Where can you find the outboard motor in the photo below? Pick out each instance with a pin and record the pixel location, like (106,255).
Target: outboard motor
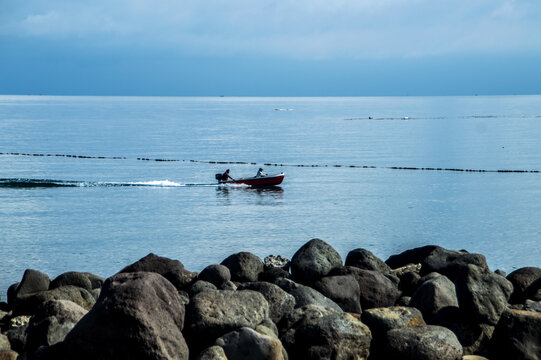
(218,177)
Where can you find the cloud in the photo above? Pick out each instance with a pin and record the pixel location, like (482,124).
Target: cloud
(355,29)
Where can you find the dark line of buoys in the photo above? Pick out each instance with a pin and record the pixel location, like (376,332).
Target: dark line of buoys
(282,165)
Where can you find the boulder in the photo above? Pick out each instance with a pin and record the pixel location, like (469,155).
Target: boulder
(376,289)
(305,295)
(332,336)
(473,336)
(215,274)
(422,343)
(533,292)
(314,260)
(212,353)
(244,266)
(52,321)
(33,281)
(381,320)
(434,295)
(412,256)
(200,286)
(482,294)
(364,259)
(517,336)
(448,262)
(29,303)
(214,314)
(531,305)
(343,290)
(521,279)
(172,270)
(17,333)
(138,316)
(12,294)
(247,344)
(280,302)
(72,278)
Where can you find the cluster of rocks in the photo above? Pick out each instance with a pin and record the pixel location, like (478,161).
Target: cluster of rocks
(425,303)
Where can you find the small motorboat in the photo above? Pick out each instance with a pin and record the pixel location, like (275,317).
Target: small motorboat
(256,181)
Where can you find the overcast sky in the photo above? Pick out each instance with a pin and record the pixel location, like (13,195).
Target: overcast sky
(266,47)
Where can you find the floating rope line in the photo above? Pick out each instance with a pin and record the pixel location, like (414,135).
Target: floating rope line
(277,164)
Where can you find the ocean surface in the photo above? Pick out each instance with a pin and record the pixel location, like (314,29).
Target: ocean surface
(95,183)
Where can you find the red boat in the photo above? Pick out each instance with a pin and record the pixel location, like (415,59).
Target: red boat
(258,181)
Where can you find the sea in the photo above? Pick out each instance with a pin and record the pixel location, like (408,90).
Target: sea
(96,183)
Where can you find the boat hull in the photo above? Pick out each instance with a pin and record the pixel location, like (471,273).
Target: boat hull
(269,180)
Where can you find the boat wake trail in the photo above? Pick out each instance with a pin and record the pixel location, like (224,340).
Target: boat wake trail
(50,183)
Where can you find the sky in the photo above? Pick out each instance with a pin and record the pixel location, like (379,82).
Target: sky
(270,47)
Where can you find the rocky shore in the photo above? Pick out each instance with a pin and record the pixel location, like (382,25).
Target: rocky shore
(427,303)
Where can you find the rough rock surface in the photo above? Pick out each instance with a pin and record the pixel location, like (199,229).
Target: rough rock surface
(434,295)
(72,278)
(215,274)
(213,314)
(364,259)
(521,279)
(52,321)
(482,294)
(28,304)
(343,290)
(244,266)
(138,316)
(247,344)
(33,281)
(305,295)
(422,343)
(517,336)
(212,353)
(333,336)
(411,256)
(376,289)
(280,302)
(533,292)
(314,260)
(448,262)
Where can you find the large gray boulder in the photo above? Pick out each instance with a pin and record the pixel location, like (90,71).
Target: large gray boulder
(247,344)
(521,279)
(33,281)
(517,336)
(215,274)
(280,302)
(434,295)
(244,266)
(305,295)
(411,256)
(314,260)
(382,320)
(364,259)
(214,314)
(482,294)
(172,270)
(332,336)
(377,290)
(72,278)
(422,343)
(138,316)
(52,321)
(343,290)
(448,262)
(28,304)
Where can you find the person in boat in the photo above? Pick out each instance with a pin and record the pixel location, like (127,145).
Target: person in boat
(260,173)
(225,176)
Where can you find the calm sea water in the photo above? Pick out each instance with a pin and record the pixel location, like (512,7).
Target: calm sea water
(104,223)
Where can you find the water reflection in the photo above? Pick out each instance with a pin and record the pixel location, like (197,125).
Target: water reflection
(262,196)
